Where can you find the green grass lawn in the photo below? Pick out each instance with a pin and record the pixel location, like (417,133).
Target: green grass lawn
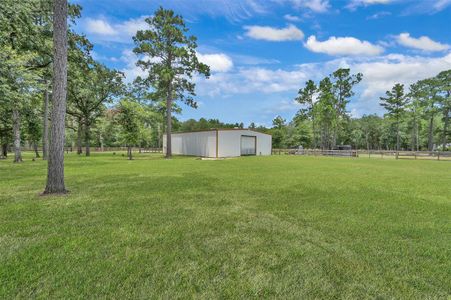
(254,227)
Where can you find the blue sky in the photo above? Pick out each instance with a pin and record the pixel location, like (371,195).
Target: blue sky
(262,51)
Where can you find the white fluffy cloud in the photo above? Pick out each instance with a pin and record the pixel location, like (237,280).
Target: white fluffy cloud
(379,75)
(103,30)
(291,18)
(98,26)
(343,46)
(218,62)
(378,15)
(353,4)
(441,4)
(289,33)
(382,73)
(422,43)
(131,71)
(251,80)
(318,6)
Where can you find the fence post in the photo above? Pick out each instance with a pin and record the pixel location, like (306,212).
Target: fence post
(438,155)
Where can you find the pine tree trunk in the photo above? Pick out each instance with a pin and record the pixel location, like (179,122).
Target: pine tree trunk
(55,174)
(45,135)
(158,136)
(445,129)
(431,134)
(5,150)
(35,148)
(2,152)
(397,139)
(417,138)
(87,139)
(79,137)
(169,124)
(413,134)
(16,134)
(101,143)
(314,132)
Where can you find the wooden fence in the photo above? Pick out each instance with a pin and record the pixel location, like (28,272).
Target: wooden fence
(431,155)
(104,149)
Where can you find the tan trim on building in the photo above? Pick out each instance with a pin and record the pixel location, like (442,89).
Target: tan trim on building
(219,129)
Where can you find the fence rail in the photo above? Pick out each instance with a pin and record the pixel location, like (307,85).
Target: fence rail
(432,155)
(104,149)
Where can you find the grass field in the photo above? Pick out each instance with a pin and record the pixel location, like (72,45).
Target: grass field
(254,227)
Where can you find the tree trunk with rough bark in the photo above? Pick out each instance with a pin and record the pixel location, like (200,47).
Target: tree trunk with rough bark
(129,152)
(431,134)
(159,136)
(35,148)
(314,132)
(16,134)
(55,173)
(87,139)
(169,124)
(101,142)
(445,129)
(45,134)
(5,150)
(397,139)
(79,137)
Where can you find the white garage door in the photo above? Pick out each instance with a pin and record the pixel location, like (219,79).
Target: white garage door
(248,144)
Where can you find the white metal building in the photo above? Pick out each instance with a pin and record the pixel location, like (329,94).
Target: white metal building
(220,143)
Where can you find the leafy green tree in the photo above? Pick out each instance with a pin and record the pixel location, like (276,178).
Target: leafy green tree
(306,98)
(326,113)
(278,122)
(343,83)
(443,80)
(33,128)
(415,112)
(278,132)
(5,129)
(429,93)
(16,80)
(169,57)
(371,127)
(91,85)
(130,117)
(395,103)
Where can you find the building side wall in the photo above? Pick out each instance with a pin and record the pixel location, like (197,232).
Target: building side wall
(264,144)
(201,143)
(230,142)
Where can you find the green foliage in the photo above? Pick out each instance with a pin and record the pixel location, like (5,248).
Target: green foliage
(130,116)
(325,106)
(395,102)
(204,124)
(169,56)
(33,124)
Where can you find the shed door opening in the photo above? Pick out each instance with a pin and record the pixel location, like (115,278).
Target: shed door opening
(248,144)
